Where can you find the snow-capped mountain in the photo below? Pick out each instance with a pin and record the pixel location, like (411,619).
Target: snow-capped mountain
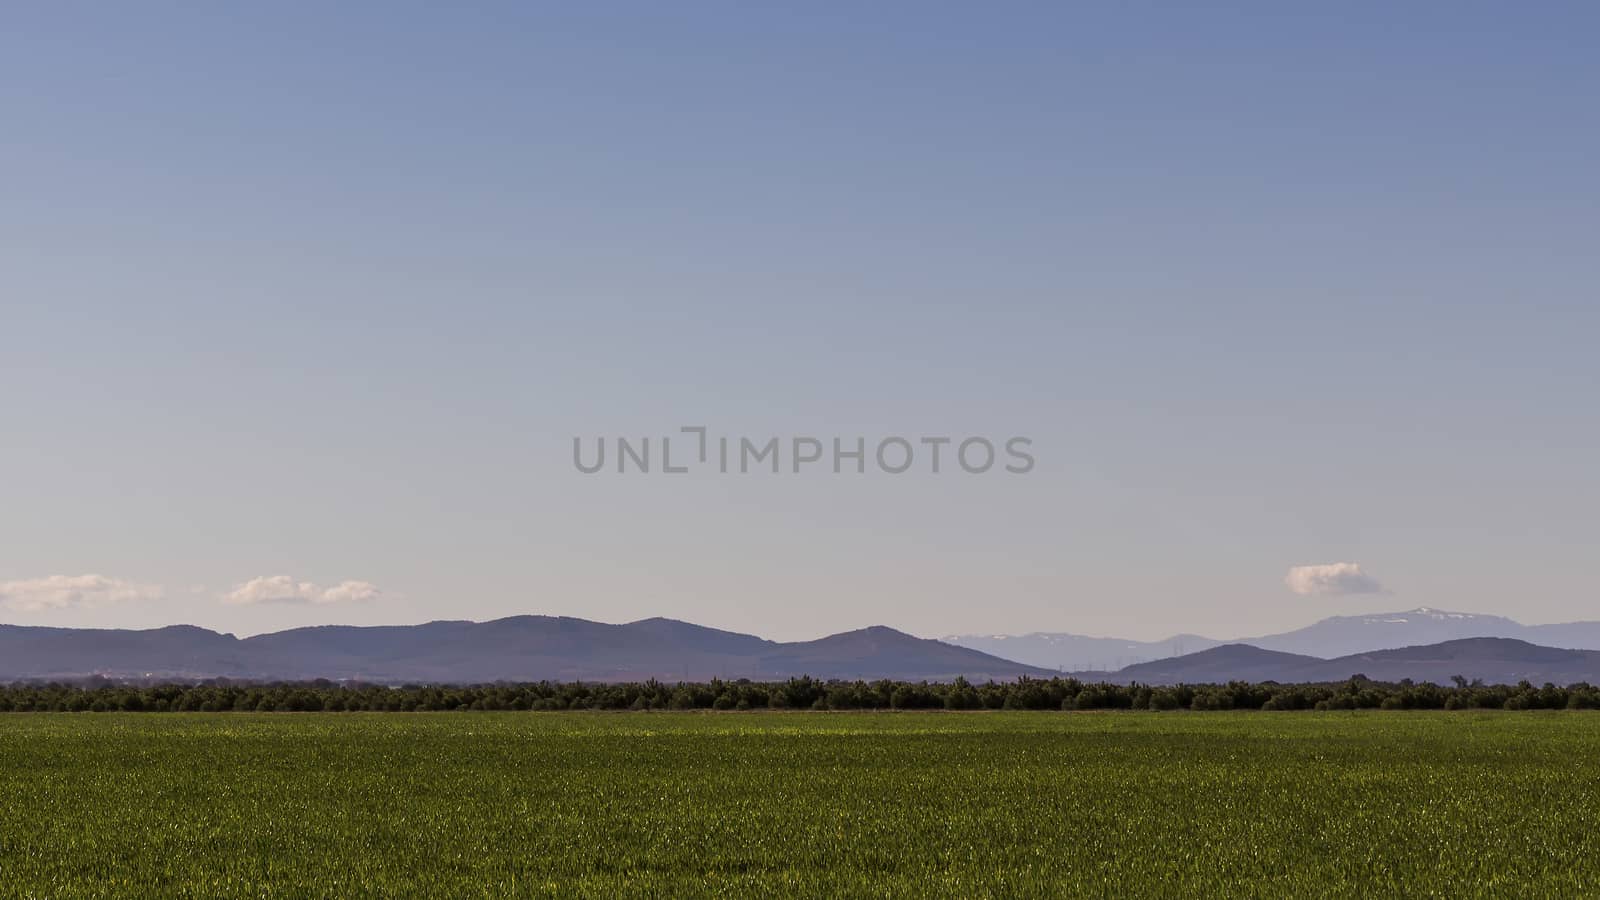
(1342,635)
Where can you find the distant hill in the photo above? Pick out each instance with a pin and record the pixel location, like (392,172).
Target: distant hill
(880,652)
(1329,638)
(1061,651)
(1229,662)
(523,648)
(1493,660)
(180,651)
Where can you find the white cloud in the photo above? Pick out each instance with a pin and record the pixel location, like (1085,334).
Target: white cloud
(1331,579)
(283,589)
(72,592)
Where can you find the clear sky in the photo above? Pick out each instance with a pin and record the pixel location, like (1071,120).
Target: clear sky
(321,294)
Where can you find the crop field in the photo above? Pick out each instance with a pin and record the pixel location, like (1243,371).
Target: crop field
(749,804)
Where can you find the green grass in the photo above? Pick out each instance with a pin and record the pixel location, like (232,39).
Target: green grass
(968,805)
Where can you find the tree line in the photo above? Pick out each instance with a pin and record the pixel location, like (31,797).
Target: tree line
(102,695)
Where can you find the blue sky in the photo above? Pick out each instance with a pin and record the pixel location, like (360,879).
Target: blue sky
(327,293)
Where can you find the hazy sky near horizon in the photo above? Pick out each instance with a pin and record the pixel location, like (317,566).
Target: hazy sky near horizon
(302,307)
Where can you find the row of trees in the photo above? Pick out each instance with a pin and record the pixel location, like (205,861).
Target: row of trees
(99,695)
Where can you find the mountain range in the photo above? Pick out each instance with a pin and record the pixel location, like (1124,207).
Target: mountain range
(522,648)
(1433,646)
(1328,639)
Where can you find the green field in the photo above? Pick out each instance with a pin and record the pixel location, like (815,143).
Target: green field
(744,804)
